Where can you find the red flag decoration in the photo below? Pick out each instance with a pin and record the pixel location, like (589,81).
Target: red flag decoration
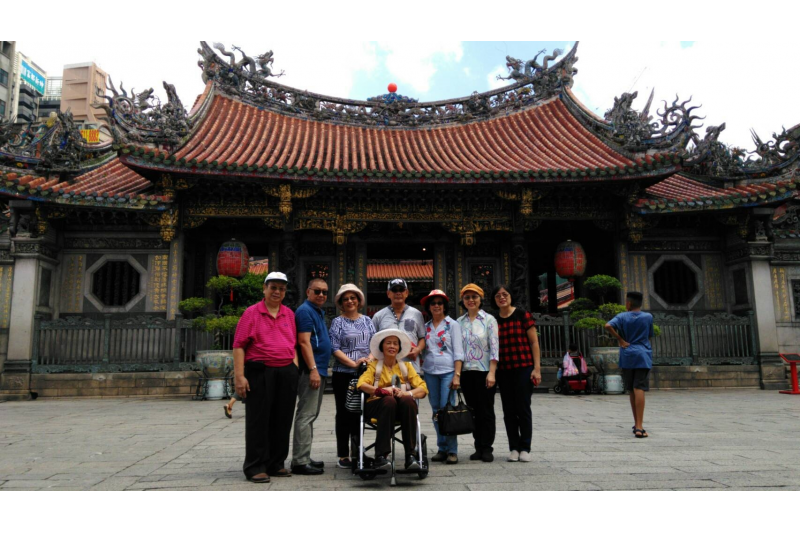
(233,259)
(570,260)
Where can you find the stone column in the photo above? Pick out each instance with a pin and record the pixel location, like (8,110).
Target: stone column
(773,376)
(519,271)
(175,283)
(27,251)
(361,270)
(288,265)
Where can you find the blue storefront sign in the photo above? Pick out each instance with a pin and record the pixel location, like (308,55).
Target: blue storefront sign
(32,77)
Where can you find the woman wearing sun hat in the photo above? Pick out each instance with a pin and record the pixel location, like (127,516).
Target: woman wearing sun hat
(350,333)
(388,403)
(481,355)
(444,349)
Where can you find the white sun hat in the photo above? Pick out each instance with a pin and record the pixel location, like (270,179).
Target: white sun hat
(377,339)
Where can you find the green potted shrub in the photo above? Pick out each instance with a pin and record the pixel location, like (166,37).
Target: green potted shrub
(231,297)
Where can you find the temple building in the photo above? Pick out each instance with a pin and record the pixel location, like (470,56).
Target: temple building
(100,242)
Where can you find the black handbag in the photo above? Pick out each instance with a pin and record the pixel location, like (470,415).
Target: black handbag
(456,419)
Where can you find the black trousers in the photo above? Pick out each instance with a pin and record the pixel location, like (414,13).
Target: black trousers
(386,411)
(516,390)
(481,399)
(269,414)
(346,421)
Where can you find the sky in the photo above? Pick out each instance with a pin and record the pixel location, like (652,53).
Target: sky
(735,82)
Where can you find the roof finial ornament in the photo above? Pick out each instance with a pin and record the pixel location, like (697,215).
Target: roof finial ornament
(547,80)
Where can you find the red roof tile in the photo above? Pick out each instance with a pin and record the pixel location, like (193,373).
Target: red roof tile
(541,138)
(259,268)
(112,180)
(408,270)
(680,192)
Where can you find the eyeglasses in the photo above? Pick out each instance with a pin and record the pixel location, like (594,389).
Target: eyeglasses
(319,291)
(503,295)
(472,297)
(276,288)
(398,290)
(350,299)
(437,302)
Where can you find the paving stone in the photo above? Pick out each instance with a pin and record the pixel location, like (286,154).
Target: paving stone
(706,440)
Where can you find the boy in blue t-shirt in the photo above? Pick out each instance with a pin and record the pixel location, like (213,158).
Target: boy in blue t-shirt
(633,330)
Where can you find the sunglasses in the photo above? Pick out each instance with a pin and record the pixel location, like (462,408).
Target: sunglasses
(397,290)
(350,299)
(472,297)
(437,302)
(319,291)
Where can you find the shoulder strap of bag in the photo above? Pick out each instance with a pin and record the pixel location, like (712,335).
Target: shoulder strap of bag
(378,372)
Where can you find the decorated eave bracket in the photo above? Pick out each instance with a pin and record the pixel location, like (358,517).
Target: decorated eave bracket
(166,222)
(286,193)
(338,224)
(248,79)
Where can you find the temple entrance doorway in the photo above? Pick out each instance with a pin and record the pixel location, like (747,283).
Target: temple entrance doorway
(412,261)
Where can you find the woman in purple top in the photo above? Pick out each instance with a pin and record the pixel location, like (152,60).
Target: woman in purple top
(350,334)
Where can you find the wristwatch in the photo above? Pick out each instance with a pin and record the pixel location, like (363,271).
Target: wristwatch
(312,369)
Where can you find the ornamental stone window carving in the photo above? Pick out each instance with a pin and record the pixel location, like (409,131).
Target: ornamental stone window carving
(115,283)
(676,282)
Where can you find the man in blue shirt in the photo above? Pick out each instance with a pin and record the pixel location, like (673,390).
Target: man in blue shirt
(633,330)
(315,355)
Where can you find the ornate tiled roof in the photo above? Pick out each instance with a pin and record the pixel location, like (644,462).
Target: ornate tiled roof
(541,143)
(111,184)
(408,270)
(682,193)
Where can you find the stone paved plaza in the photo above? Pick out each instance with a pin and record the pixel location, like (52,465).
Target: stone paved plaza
(706,440)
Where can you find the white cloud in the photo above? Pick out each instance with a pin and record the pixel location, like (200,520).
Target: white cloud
(414,63)
(736,82)
(495,83)
(467,71)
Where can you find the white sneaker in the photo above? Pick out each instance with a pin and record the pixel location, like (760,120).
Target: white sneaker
(525,457)
(514,457)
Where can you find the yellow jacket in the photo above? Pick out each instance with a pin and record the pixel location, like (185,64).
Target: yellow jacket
(387,374)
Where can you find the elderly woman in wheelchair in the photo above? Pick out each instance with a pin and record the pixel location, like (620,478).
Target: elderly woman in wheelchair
(393,387)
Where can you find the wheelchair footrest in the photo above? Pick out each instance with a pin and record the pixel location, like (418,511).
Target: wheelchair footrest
(377,472)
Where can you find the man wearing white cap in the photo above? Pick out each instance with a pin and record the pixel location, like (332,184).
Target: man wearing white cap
(266,374)
(403,317)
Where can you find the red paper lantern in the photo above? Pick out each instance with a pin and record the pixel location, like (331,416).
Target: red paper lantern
(233,259)
(570,260)
(392,87)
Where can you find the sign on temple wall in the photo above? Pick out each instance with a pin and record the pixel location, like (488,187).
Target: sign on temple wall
(158,266)
(174,278)
(72,274)
(6,277)
(712,276)
(780,294)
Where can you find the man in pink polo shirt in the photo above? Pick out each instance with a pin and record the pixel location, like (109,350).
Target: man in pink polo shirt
(266,374)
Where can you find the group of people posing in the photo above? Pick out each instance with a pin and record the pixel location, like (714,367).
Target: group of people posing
(281,359)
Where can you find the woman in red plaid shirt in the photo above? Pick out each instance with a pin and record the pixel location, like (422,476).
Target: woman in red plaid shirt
(518,371)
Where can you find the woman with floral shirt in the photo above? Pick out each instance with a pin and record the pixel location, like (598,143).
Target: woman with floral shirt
(477,374)
(443,348)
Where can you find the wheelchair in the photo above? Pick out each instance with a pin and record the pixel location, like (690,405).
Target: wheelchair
(364,466)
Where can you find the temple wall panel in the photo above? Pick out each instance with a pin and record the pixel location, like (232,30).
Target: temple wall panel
(72,275)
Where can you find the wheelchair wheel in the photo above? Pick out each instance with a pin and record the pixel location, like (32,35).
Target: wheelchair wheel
(557,388)
(422,475)
(367,476)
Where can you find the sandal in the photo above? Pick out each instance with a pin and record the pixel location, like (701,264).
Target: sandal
(640,433)
(228,411)
(259,478)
